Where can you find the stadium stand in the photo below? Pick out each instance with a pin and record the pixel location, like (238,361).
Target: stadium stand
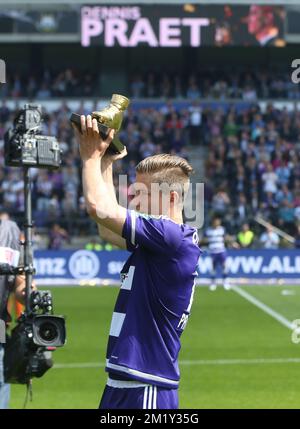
(249,158)
(246,83)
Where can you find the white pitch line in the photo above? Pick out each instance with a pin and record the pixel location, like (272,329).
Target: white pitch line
(268,310)
(192,362)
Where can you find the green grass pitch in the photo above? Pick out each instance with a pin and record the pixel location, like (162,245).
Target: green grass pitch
(233,354)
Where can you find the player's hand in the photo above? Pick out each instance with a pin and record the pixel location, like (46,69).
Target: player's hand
(91,145)
(109,158)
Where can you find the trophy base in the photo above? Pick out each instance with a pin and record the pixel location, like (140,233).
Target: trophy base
(115,146)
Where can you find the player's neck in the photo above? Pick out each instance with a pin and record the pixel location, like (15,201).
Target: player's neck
(176,216)
(178,219)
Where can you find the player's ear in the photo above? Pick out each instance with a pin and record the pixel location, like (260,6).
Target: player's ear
(174,197)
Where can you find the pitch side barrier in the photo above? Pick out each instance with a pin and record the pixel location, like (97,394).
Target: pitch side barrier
(85,267)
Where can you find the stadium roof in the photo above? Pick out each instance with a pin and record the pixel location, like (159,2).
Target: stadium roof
(126,2)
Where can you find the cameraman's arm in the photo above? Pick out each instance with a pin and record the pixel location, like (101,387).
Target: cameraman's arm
(107,174)
(19,288)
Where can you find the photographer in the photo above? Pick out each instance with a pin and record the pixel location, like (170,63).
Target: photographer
(10,250)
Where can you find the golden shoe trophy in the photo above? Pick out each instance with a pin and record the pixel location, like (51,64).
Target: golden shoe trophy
(110,117)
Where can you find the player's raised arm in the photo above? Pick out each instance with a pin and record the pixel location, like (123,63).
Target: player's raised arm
(106,167)
(104,209)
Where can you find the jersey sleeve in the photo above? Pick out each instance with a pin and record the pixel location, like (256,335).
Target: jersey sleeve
(157,234)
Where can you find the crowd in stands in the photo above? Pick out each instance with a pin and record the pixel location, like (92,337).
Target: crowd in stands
(58,194)
(253,168)
(252,165)
(217,83)
(48,84)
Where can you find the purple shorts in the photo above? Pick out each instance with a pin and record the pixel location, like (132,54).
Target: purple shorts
(218,259)
(135,395)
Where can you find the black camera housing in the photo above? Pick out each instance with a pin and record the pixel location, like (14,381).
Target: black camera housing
(28,351)
(23,146)
(28,348)
(48,330)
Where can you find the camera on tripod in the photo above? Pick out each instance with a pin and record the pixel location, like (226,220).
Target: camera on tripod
(38,332)
(25,147)
(47,330)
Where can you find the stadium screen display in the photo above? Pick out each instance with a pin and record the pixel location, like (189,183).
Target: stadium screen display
(188,25)
(25,22)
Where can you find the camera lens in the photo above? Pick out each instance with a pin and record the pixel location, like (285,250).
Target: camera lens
(48,331)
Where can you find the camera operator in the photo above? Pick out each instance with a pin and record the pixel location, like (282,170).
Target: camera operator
(10,250)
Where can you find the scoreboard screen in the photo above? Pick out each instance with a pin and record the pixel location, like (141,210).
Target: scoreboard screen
(176,26)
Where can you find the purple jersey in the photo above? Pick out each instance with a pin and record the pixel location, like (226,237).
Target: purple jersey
(154,301)
(218,259)
(136,395)
(216,239)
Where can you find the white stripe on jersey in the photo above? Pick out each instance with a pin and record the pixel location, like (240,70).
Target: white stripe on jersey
(116,323)
(145,398)
(133,223)
(127,282)
(155,398)
(120,384)
(151,377)
(192,297)
(216,239)
(150,398)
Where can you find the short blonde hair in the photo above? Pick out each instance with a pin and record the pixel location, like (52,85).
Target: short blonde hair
(162,162)
(165,168)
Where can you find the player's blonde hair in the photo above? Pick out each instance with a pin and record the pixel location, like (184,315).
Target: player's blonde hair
(165,168)
(165,164)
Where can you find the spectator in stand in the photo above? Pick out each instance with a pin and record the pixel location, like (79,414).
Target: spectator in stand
(12,189)
(270,180)
(193,91)
(286,216)
(245,237)
(249,93)
(57,237)
(147,148)
(269,239)
(242,211)
(43,93)
(43,190)
(297,237)
(220,89)
(178,90)
(283,173)
(4,112)
(284,194)
(165,89)
(195,122)
(177,142)
(137,86)
(150,90)
(220,202)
